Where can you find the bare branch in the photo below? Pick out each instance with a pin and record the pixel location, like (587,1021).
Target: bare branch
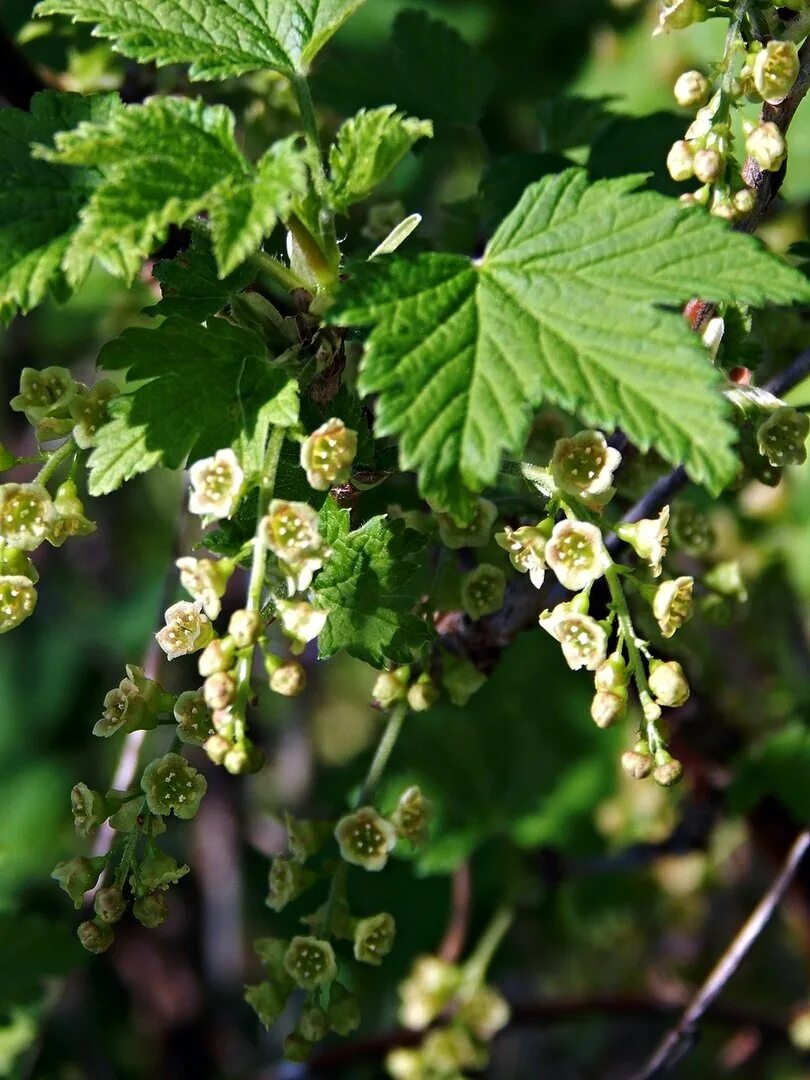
(679,1040)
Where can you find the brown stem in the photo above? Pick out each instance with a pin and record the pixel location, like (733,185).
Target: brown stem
(455,935)
(677,1042)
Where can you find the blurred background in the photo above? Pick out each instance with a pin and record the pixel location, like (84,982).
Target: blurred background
(628,892)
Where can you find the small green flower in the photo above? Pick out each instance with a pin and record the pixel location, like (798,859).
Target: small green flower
(310,962)
(448,1051)
(668,683)
(430,986)
(151,910)
(672,604)
(648,538)
(305,838)
(172,785)
(268,1000)
(584,464)
(483,590)
(216,485)
(297,1049)
(726,579)
(43,393)
(71,520)
(158,871)
(313,1023)
(460,678)
(133,706)
(89,411)
(423,694)
(300,621)
(485,1013)
(775,69)
(218,655)
(583,640)
(18,598)
(288,678)
(109,904)
(343,1010)
(286,881)
(476,534)
(365,839)
(391,687)
(526,547)
(327,455)
(412,815)
(374,938)
(577,554)
(194,724)
(782,437)
(78,876)
(678,14)
(187,630)
(27,515)
(89,809)
(611,675)
(691,530)
(206,580)
(292,532)
(96,936)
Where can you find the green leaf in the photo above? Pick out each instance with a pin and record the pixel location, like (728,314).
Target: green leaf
(162,163)
(217,38)
(563,306)
(369,586)
(778,768)
(208,387)
(367,148)
(191,285)
(428,69)
(39,200)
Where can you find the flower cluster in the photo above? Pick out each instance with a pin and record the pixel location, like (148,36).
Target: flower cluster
(760,71)
(57,406)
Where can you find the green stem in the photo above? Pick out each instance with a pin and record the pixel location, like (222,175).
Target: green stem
(122,870)
(277,271)
(475,970)
(60,455)
(628,636)
(257,571)
(326,219)
(383,753)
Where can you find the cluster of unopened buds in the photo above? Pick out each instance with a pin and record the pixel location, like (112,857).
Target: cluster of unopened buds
(470,1018)
(755,72)
(308,961)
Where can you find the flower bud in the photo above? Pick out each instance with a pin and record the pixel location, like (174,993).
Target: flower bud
(286,881)
(692,89)
(310,962)
(217,747)
(485,1013)
(374,938)
(43,393)
(460,678)
(216,484)
(681,161)
(608,707)
(672,604)
(668,771)
(194,723)
(206,580)
(171,785)
(289,679)
(648,538)
(187,630)
(71,520)
(708,165)
(583,640)
(245,628)
(297,1049)
(668,683)
(678,14)
(475,534)
(152,910)
(313,1023)
(14,562)
(327,455)
(745,200)
(611,675)
(244,760)
(365,838)
(18,598)
(391,687)
(423,694)
(427,990)
(218,655)
(411,818)
(89,809)
(526,547)
(782,437)
(766,145)
(78,876)
(220,690)
(27,515)
(775,70)
(638,763)
(343,1010)
(482,591)
(95,936)
(109,904)
(402,1063)
(577,554)
(450,1051)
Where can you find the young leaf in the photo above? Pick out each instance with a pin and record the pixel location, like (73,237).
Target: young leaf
(162,163)
(367,148)
(208,387)
(40,201)
(191,285)
(218,38)
(369,586)
(562,307)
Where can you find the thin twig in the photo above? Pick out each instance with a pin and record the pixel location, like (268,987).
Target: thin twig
(679,1040)
(455,936)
